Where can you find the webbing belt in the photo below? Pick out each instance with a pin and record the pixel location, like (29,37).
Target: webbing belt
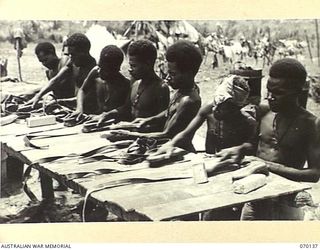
(27,139)
(84,155)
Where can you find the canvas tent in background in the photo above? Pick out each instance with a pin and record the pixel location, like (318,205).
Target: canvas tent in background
(162,33)
(100,37)
(185,30)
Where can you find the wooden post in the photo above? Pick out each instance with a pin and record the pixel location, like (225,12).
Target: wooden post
(46,186)
(19,53)
(309,48)
(318,46)
(3,168)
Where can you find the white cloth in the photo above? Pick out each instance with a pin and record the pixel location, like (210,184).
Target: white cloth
(229,90)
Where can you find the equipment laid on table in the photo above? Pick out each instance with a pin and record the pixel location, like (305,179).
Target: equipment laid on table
(162,159)
(92,126)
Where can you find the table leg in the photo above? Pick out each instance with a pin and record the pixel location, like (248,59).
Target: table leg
(46,186)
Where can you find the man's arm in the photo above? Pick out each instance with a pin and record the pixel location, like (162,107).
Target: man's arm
(51,84)
(68,102)
(186,111)
(85,88)
(142,122)
(185,137)
(120,113)
(307,174)
(187,134)
(164,97)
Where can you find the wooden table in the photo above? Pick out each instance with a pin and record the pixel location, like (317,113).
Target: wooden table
(132,192)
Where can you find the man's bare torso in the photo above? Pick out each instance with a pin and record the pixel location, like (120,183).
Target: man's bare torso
(284,140)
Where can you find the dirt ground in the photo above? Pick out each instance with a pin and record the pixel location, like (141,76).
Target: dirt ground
(15,207)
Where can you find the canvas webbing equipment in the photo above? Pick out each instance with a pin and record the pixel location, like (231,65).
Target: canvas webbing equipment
(95,172)
(162,159)
(89,127)
(85,155)
(74,121)
(27,139)
(39,131)
(27,172)
(26,176)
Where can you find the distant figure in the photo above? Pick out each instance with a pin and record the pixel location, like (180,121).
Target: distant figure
(18,39)
(19,42)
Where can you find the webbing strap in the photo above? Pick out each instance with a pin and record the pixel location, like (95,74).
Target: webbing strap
(26,189)
(27,139)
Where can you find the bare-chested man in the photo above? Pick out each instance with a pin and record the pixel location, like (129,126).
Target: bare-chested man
(184,60)
(289,137)
(110,86)
(46,54)
(227,125)
(149,95)
(79,66)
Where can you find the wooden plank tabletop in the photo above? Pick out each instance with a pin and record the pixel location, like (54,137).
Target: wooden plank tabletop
(135,192)
(138,192)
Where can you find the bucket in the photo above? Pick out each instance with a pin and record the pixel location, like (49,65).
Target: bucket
(253,77)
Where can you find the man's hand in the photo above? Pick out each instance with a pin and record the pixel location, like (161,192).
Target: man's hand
(166,150)
(234,155)
(101,118)
(120,132)
(33,101)
(141,122)
(119,135)
(77,115)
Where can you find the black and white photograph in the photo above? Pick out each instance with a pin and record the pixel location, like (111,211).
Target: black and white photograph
(159,120)
(241,65)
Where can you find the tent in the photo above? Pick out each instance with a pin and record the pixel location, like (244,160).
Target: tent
(100,37)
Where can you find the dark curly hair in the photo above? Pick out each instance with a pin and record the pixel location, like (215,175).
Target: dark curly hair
(186,55)
(112,56)
(290,69)
(144,50)
(79,41)
(45,47)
